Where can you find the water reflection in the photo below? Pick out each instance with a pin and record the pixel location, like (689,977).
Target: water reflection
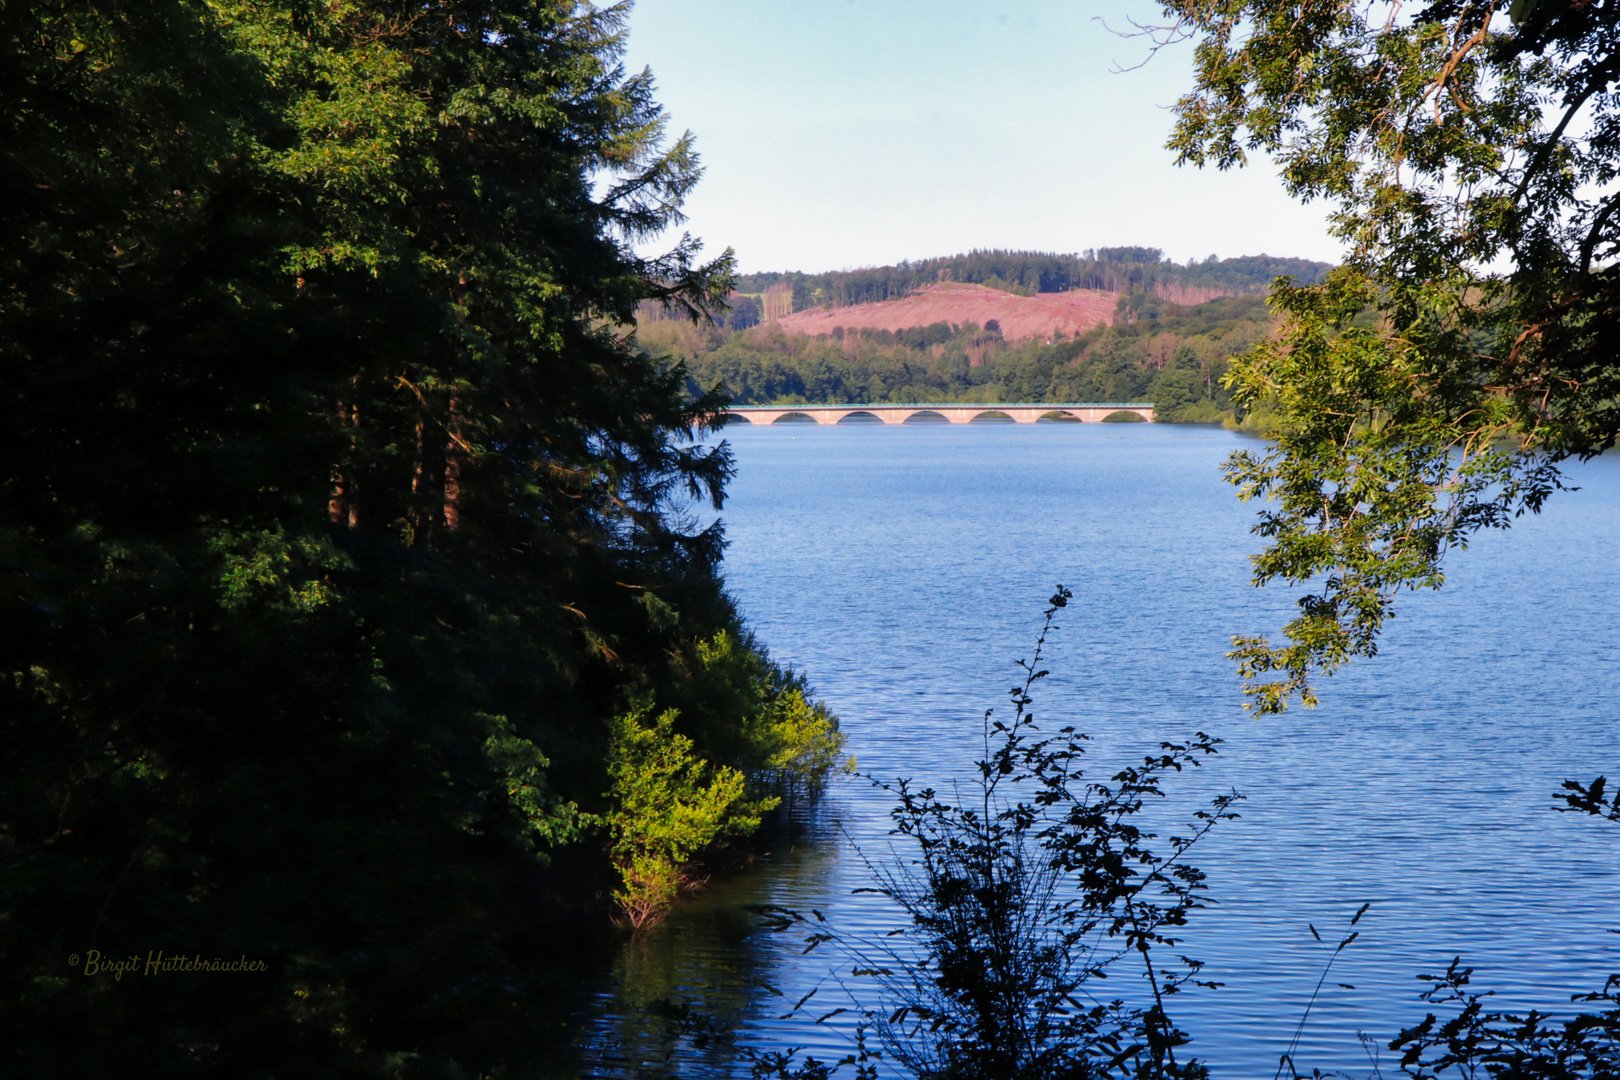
(714,954)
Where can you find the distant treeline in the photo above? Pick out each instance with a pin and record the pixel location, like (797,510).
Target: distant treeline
(1025,273)
(1169,354)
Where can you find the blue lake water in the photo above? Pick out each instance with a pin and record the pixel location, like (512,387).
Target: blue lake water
(904,569)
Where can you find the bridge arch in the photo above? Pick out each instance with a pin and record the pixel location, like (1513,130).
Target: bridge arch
(949,412)
(991,416)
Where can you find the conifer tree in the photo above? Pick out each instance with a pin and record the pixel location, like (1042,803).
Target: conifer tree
(339,517)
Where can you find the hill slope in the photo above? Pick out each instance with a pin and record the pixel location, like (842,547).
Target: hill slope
(1041,316)
(1027,273)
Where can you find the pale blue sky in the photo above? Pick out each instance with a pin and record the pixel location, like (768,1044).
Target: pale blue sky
(843,133)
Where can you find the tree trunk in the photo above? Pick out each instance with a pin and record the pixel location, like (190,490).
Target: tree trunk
(353,494)
(420,480)
(336,504)
(452,470)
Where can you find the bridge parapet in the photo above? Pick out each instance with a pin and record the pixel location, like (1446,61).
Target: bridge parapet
(954,413)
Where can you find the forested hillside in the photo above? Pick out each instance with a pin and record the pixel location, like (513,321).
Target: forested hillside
(1118,269)
(1169,354)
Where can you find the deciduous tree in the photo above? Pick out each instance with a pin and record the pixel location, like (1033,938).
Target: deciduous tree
(1471,152)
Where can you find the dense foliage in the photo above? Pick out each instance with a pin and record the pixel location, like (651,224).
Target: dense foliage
(668,804)
(1472,154)
(1156,351)
(339,519)
(1403,480)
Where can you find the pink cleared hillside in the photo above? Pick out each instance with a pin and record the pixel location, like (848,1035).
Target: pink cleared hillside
(1039,316)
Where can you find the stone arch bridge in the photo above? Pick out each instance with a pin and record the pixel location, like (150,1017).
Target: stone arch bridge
(955,413)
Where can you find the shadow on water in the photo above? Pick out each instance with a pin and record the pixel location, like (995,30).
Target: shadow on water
(712,953)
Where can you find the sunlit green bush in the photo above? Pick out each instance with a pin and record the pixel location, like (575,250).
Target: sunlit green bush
(668,804)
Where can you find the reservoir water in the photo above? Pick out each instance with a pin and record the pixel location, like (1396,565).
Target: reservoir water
(904,569)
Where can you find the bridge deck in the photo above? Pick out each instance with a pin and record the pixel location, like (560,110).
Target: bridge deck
(954,413)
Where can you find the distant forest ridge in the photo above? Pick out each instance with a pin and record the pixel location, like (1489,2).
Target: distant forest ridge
(1154,350)
(1025,273)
